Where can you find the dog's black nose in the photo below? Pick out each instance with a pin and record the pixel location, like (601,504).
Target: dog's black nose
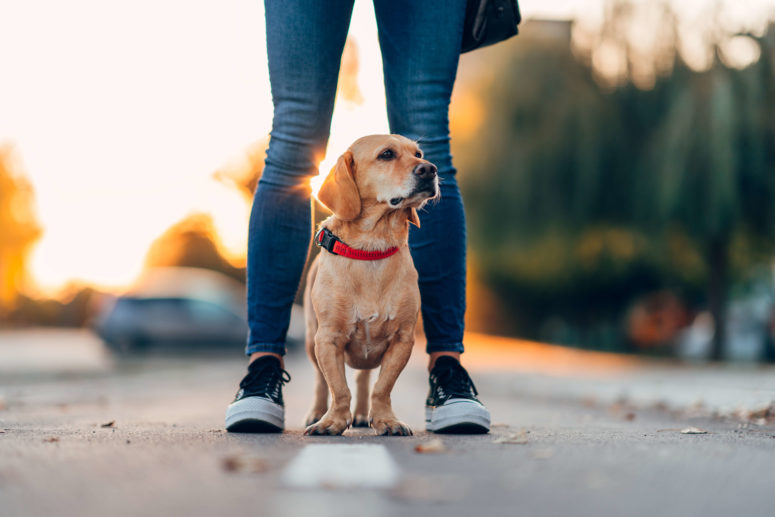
(425,170)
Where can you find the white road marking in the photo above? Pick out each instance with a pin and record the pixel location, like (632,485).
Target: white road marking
(342,466)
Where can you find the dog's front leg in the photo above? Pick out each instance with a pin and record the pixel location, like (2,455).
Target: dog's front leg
(329,351)
(393,362)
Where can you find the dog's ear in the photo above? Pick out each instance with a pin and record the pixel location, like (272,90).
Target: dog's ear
(339,193)
(412,217)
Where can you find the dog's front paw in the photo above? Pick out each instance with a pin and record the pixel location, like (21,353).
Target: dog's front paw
(332,424)
(313,416)
(390,427)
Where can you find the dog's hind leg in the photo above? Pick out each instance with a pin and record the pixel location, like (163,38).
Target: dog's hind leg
(361,416)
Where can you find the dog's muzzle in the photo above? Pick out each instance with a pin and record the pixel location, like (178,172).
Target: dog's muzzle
(426,180)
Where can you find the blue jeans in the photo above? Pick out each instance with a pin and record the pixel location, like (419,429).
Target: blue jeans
(420,43)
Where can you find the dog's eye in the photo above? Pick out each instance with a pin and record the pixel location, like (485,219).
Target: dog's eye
(418,154)
(387,154)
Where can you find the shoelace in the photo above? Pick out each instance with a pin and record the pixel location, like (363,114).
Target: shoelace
(455,380)
(266,382)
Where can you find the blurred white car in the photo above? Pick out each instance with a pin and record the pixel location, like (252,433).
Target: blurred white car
(176,306)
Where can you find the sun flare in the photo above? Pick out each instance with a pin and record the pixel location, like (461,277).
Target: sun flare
(115,158)
(325,168)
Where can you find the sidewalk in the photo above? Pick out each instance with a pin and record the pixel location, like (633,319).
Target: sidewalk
(499,366)
(550,371)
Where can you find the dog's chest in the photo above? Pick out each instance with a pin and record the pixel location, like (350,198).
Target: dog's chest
(371,336)
(377,299)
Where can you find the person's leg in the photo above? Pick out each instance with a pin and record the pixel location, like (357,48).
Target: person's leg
(420,43)
(305,39)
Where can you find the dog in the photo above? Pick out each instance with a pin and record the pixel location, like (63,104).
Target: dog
(361,300)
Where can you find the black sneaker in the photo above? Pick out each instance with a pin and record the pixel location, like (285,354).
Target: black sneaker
(258,406)
(452,406)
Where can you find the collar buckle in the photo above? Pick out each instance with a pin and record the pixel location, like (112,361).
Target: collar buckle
(326,240)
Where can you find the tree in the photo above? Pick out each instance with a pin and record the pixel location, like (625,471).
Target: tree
(710,165)
(19,229)
(587,191)
(192,242)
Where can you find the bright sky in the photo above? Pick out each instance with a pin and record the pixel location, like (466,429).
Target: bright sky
(122,110)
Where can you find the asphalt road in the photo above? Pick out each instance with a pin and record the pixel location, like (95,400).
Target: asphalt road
(145,437)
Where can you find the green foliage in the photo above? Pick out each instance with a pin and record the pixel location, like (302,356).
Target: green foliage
(584,196)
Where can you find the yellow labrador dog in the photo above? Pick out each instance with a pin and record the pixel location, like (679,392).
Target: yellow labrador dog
(361,301)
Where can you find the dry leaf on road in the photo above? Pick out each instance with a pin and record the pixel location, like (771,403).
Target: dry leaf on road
(514,438)
(242,463)
(430,447)
(51,439)
(762,414)
(112,423)
(693,430)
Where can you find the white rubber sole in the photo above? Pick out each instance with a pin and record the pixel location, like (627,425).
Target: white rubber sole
(255,415)
(458,416)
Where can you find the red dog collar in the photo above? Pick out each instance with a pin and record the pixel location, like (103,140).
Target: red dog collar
(327,240)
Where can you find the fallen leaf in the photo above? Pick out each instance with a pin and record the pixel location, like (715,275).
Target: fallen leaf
(764,413)
(693,430)
(51,439)
(513,438)
(112,423)
(243,463)
(630,417)
(431,447)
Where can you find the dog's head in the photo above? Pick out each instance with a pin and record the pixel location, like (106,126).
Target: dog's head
(387,171)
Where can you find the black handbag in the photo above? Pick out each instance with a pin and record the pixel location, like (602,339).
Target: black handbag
(489,22)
